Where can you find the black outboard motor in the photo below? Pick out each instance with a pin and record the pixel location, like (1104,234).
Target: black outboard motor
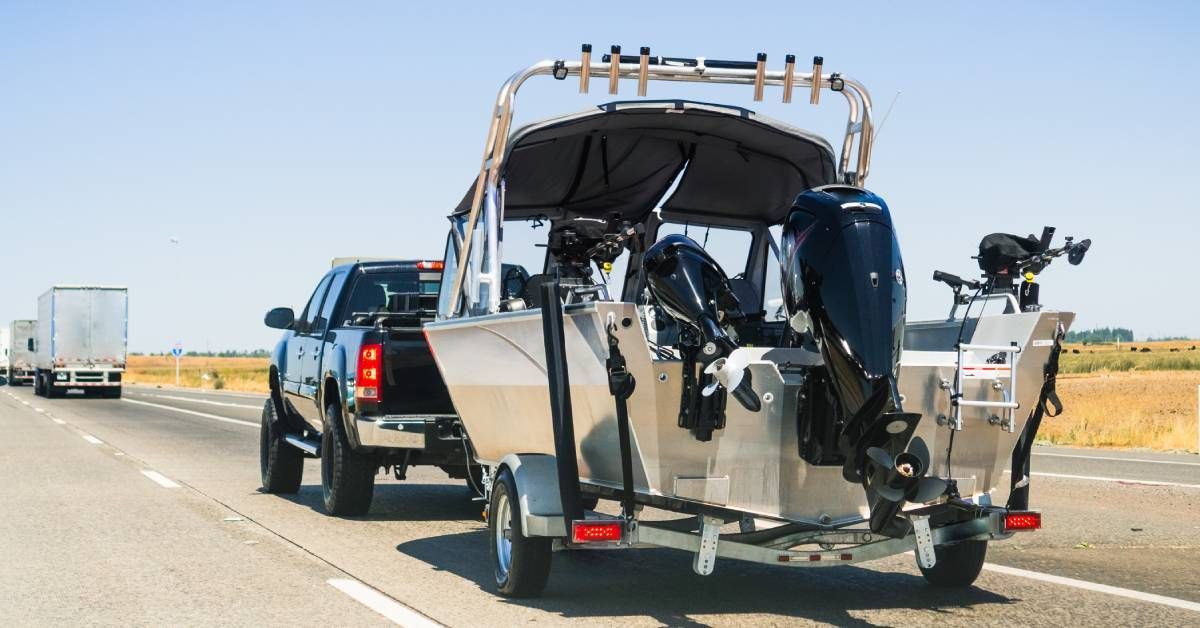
(844,290)
(689,284)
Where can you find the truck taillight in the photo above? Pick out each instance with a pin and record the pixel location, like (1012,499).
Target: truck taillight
(1017,520)
(430,265)
(370,362)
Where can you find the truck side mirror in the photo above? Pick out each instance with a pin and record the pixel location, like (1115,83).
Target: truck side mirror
(29,344)
(280,318)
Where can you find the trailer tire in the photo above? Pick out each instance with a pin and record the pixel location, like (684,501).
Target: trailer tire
(113,393)
(347,476)
(52,391)
(521,564)
(281,465)
(37,384)
(957,566)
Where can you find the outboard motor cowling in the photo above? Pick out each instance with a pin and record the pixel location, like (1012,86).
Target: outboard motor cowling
(844,290)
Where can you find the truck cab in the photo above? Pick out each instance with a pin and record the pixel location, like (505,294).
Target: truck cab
(354,384)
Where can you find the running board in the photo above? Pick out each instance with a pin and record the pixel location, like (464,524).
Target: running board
(311,448)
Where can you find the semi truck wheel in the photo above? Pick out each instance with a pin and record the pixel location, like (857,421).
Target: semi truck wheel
(113,393)
(957,565)
(521,564)
(347,476)
(281,465)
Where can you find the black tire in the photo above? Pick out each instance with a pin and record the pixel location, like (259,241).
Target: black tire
(957,565)
(281,465)
(113,393)
(520,564)
(52,391)
(347,476)
(37,384)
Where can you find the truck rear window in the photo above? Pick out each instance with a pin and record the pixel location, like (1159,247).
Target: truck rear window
(396,293)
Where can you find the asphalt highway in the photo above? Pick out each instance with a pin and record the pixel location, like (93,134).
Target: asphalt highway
(146,510)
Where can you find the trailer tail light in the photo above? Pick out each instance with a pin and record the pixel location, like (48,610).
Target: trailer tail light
(370,362)
(596,531)
(1018,520)
(430,265)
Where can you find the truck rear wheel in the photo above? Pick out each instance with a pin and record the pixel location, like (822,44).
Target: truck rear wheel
(281,465)
(37,384)
(521,564)
(347,476)
(957,565)
(52,391)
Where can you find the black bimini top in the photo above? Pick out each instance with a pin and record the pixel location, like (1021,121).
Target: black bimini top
(623,157)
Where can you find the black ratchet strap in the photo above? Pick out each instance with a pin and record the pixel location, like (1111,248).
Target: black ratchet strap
(621,384)
(1018,498)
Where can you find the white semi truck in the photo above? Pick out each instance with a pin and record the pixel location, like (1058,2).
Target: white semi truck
(22,337)
(81,340)
(5,350)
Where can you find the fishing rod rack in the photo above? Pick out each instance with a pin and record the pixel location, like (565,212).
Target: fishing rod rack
(644,69)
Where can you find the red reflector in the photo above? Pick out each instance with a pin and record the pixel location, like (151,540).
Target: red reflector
(596,531)
(370,362)
(430,265)
(1020,520)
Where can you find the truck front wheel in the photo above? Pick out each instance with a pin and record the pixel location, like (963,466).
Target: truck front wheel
(957,565)
(347,476)
(281,465)
(521,563)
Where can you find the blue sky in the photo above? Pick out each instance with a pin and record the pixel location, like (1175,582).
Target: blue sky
(270,137)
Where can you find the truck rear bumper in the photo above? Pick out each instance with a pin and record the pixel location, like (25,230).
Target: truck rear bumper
(85,378)
(405,431)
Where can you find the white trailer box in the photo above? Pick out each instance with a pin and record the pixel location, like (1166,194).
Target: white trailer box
(22,336)
(81,339)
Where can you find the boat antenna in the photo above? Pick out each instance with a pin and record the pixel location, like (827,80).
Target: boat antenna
(879,129)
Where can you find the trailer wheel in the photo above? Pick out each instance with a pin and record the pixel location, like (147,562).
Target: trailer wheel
(957,565)
(52,391)
(521,564)
(37,384)
(281,465)
(347,476)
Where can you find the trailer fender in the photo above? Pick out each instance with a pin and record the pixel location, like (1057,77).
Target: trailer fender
(536,476)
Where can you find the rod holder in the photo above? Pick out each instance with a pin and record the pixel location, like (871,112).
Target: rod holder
(789,77)
(585,72)
(760,73)
(614,69)
(643,70)
(816,81)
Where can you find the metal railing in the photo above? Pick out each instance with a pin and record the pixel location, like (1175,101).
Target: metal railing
(644,69)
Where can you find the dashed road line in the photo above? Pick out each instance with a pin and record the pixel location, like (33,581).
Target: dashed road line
(206,401)
(159,478)
(58,420)
(91,439)
(1097,478)
(1115,459)
(382,604)
(1092,586)
(205,415)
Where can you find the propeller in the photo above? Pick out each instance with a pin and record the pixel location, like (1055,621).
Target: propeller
(902,478)
(732,372)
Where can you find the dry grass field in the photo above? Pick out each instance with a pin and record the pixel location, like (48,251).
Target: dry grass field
(244,374)
(1112,398)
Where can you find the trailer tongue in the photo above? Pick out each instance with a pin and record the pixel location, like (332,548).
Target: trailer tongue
(767,379)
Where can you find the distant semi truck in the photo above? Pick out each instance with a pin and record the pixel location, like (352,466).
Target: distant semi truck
(81,339)
(22,337)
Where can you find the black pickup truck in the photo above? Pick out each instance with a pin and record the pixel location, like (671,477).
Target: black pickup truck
(353,383)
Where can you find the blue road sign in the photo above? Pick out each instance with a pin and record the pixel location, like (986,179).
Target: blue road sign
(177,350)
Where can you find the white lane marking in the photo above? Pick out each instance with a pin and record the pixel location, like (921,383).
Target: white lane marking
(38,410)
(1096,478)
(58,420)
(159,479)
(1092,586)
(382,604)
(206,415)
(211,403)
(200,391)
(24,402)
(91,439)
(1145,460)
